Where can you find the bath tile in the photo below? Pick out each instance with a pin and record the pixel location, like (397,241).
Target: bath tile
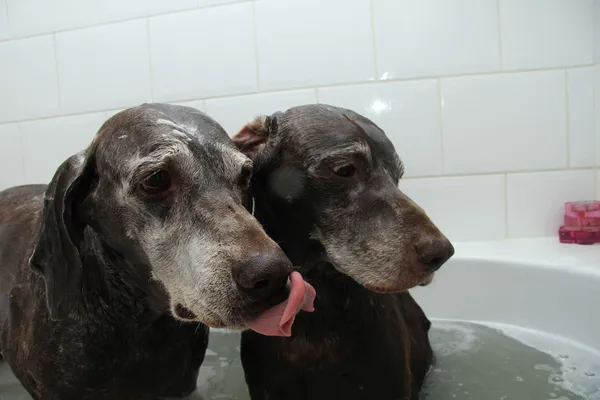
(313,42)
(505,122)
(4,34)
(103,67)
(28,84)
(409,113)
(597,32)
(581,116)
(111,113)
(48,143)
(536,200)
(210,3)
(203,53)
(420,38)
(235,112)
(465,208)
(198,104)
(597,110)
(597,184)
(546,33)
(11,157)
(33,17)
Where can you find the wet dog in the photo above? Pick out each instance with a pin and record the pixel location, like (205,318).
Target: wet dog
(108,275)
(326,189)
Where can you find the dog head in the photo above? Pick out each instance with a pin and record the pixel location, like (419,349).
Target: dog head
(331,175)
(163,191)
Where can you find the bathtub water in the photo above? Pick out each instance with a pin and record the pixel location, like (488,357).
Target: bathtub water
(537,335)
(512,320)
(501,362)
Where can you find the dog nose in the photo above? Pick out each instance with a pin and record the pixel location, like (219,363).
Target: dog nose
(263,274)
(434,253)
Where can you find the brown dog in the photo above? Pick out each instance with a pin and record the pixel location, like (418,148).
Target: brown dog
(107,274)
(326,189)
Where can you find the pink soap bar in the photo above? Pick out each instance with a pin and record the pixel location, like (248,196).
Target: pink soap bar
(578,236)
(582,216)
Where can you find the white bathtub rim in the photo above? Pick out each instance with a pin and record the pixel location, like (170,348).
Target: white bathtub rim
(539,253)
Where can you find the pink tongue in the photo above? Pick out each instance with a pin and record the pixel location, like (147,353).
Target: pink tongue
(278,320)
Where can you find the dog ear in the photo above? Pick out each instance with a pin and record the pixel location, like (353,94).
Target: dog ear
(253,137)
(56,255)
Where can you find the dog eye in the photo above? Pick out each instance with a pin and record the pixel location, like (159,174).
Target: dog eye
(158,182)
(345,171)
(245,177)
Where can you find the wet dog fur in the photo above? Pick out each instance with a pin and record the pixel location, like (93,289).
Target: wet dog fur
(110,275)
(326,189)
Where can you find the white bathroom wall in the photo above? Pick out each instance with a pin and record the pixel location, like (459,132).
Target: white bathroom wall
(489,102)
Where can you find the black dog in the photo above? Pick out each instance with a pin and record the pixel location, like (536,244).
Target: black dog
(141,234)
(326,189)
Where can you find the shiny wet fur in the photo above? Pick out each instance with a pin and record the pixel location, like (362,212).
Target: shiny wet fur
(326,189)
(110,274)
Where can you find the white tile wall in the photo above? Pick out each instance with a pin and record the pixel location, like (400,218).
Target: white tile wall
(596,31)
(103,67)
(32,17)
(464,208)
(49,142)
(546,33)
(3,20)
(581,116)
(187,65)
(436,37)
(11,157)
(198,104)
(597,110)
(409,113)
(210,3)
(536,200)
(28,85)
(235,112)
(505,122)
(473,93)
(313,42)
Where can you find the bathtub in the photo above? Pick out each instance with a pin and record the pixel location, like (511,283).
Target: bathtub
(538,284)
(549,291)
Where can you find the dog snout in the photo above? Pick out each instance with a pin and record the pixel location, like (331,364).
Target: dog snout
(434,253)
(262,275)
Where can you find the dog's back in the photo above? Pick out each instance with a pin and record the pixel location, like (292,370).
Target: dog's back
(20,208)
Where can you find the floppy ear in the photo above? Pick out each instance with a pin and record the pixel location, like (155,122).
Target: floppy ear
(253,137)
(56,254)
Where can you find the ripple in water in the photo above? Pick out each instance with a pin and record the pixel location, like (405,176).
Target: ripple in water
(496,362)
(474,362)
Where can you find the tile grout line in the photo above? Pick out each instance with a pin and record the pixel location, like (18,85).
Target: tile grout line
(441,111)
(373,38)
(500,52)
(149,47)
(55,48)
(22,149)
(595,127)
(8,25)
(256,54)
(568,111)
(506,224)
(111,22)
(497,173)
(335,85)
